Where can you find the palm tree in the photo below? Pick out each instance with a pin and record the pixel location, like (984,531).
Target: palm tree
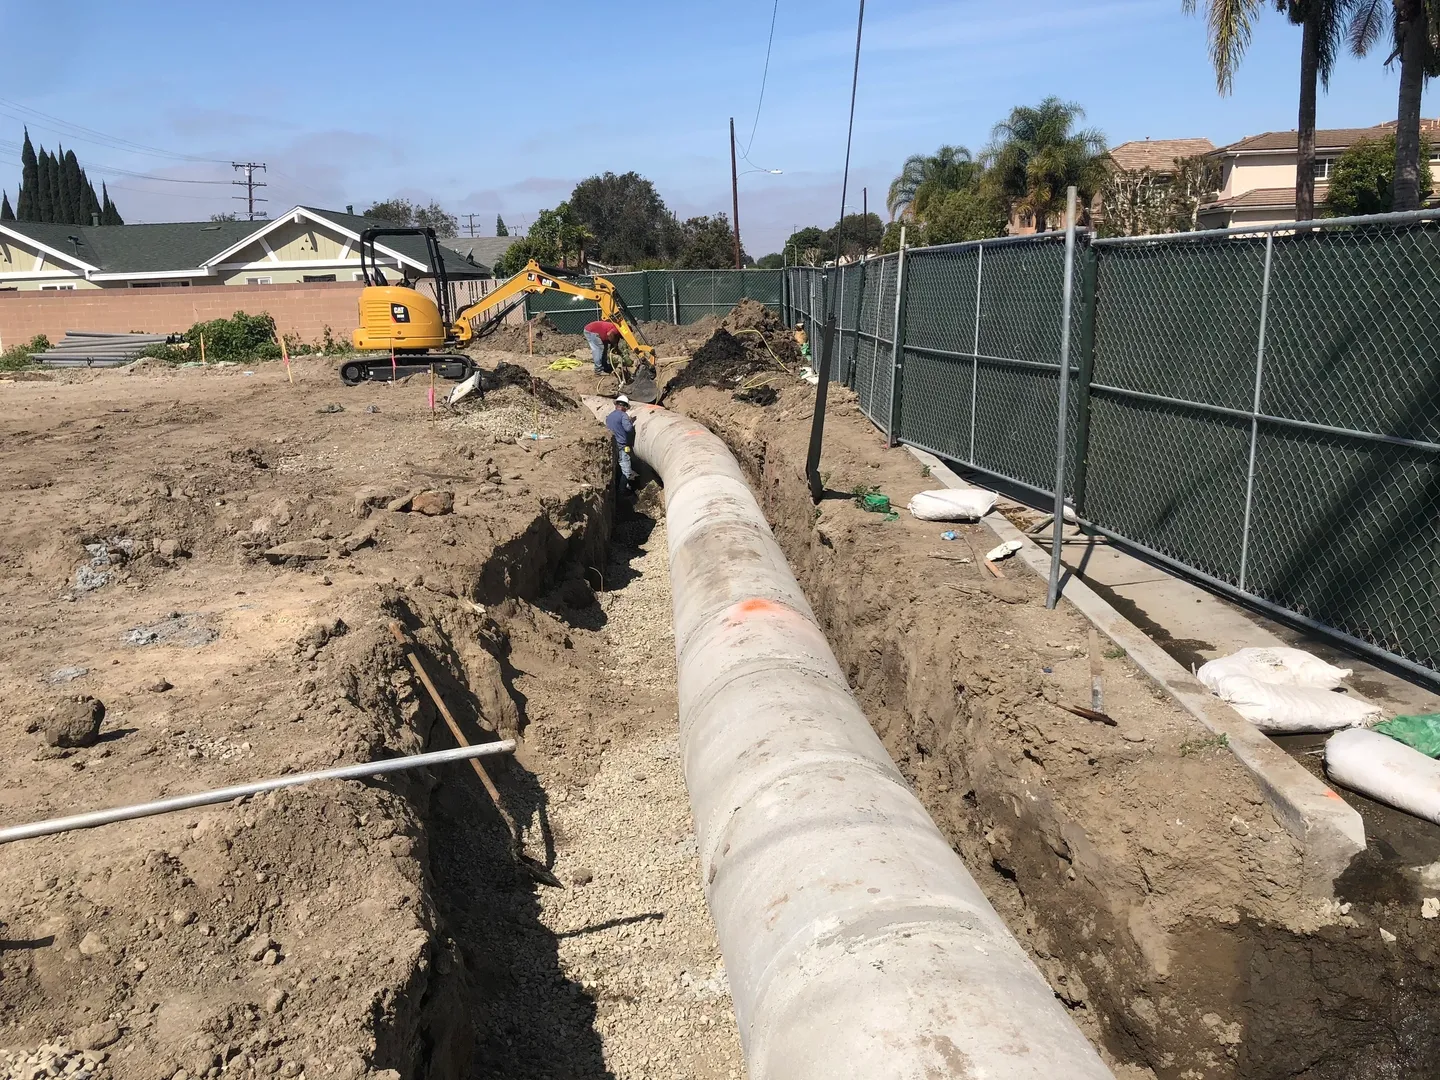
(923,177)
(1036,154)
(1413,26)
(1322,24)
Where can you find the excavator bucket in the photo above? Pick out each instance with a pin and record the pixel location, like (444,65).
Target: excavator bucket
(641,386)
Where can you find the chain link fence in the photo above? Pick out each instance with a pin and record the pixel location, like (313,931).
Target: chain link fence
(673,296)
(1258,407)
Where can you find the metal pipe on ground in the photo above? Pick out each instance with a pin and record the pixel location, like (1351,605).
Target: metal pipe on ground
(220,795)
(856,942)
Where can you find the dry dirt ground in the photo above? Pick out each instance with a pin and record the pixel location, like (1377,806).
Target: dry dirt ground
(1140,864)
(347,929)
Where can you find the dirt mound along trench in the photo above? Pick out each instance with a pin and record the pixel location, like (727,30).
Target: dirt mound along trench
(1139,864)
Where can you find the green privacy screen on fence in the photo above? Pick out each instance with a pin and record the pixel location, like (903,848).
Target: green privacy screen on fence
(673,296)
(1261,409)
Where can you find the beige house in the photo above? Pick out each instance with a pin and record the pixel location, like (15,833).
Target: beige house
(303,244)
(1258,173)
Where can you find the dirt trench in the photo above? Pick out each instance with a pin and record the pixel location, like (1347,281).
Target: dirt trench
(219,558)
(1139,864)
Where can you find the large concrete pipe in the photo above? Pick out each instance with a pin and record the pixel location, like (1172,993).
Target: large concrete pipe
(856,942)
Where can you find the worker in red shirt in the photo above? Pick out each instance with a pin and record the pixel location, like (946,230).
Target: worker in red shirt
(601,335)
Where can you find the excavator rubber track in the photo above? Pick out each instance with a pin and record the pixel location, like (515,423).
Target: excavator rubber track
(453,366)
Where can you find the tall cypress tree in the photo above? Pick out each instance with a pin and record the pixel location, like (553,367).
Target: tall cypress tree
(90,211)
(75,180)
(43,203)
(6,214)
(108,214)
(29,181)
(65,212)
(57,190)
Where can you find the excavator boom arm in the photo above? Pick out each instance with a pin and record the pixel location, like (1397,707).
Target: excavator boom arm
(535,279)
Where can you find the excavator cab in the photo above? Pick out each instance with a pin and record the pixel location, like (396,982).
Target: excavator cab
(399,317)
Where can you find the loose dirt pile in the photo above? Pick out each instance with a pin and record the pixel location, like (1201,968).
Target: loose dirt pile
(680,339)
(1140,864)
(751,349)
(547,339)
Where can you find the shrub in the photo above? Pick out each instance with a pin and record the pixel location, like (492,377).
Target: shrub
(18,356)
(239,338)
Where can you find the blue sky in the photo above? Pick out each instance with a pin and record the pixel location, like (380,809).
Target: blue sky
(503,107)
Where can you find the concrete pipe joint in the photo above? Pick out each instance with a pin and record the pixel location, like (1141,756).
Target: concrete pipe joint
(856,942)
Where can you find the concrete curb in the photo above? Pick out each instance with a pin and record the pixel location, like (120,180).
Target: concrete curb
(1330,832)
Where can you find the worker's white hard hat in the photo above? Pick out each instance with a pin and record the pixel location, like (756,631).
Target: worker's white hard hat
(621,399)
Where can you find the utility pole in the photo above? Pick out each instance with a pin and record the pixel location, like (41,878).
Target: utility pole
(471,217)
(250,184)
(735,192)
(864,217)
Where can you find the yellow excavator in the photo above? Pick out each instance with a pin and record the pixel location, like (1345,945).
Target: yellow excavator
(407,332)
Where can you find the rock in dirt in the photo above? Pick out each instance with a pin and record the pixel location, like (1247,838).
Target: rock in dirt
(75,722)
(360,537)
(301,550)
(577,594)
(158,685)
(92,944)
(582,875)
(370,498)
(179,628)
(433,503)
(402,503)
(96,1036)
(66,674)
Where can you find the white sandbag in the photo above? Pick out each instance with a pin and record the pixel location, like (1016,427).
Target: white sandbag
(1285,709)
(1386,770)
(949,504)
(1287,667)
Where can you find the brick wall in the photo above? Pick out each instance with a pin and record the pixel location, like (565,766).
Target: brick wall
(304,310)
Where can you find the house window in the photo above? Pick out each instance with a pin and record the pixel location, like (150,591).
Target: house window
(56,288)
(257,281)
(1435,155)
(1324,168)
(159,284)
(318,277)
(359,276)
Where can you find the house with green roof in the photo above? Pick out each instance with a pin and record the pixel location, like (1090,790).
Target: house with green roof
(303,244)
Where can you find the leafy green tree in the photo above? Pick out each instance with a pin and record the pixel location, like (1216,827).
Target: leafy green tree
(773,261)
(58,211)
(1364,178)
(516,256)
(973,213)
(927,176)
(500,229)
(25,209)
(629,220)
(1036,153)
(436,217)
(225,217)
(6,213)
(808,247)
(44,204)
(708,243)
(559,237)
(855,235)
(403,212)
(396,211)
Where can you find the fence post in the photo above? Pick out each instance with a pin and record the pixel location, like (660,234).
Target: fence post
(1089,303)
(975,348)
(844,273)
(875,348)
(817,419)
(674,301)
(645,286)
(897,351)
(1053,594)
(1255,410)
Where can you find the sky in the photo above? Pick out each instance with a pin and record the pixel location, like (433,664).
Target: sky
(502,108)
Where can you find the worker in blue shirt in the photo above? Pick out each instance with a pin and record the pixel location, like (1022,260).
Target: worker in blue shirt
(623,429)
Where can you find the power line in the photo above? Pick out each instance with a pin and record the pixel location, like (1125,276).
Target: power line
(58,126)
(764,77)
(92,166)
(849,133)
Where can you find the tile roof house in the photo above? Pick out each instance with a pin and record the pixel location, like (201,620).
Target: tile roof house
(1258,172)
(1157,155)
(303,244)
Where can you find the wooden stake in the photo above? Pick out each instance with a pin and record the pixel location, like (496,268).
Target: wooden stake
(202,350)
(394,372)
(432,393)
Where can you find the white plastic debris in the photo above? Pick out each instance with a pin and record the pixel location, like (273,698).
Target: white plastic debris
(1004,551)
(1386,770)
(947,504)
(1286,690)
(1430,907)
(808,374)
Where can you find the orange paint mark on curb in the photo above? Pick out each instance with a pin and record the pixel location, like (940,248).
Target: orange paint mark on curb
(1332,795)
